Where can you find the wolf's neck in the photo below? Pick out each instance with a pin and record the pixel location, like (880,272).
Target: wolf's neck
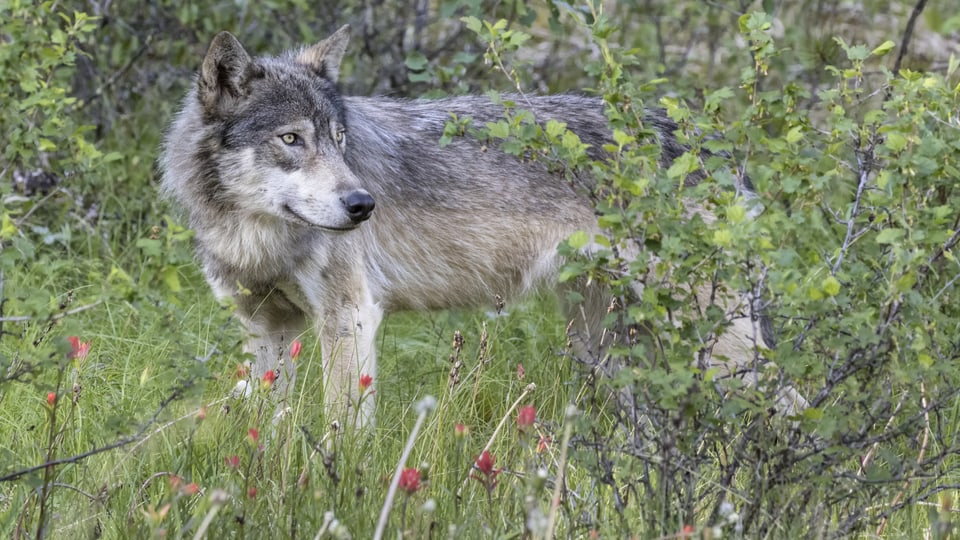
(262,248)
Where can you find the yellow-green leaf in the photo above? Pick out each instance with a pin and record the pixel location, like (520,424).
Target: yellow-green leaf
(830,286)
(171,278)
(736,214)
(722,237)
(9,228)
(795,134)
(578,240)
(883,48)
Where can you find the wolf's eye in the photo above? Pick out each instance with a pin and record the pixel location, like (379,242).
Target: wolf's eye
(290,139)
(339,135)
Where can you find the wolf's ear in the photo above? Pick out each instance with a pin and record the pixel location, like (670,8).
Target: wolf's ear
(223,73)
(325,57)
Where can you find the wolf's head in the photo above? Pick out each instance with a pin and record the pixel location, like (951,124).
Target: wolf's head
(275,135)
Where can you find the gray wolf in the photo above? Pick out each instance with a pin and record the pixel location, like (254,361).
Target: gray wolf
(314,210)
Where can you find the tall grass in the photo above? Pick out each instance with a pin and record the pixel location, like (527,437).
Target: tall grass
(195,458)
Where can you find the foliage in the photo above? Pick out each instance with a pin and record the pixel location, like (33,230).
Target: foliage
(852,251)
(848,247)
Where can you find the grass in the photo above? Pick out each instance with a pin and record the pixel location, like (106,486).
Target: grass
(197,462)
(198,466)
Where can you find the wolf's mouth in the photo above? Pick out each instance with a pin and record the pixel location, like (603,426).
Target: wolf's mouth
(299,217)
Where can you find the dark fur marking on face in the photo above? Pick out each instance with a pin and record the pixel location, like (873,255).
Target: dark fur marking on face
(208,179)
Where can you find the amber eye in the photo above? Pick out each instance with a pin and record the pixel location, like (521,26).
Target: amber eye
(290,139)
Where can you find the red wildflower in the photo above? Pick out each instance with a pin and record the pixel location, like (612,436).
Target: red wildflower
(520,372)
(254,434)
(233,461)
(461,431)
(295,349)
(186,489)
(526,417)
(252,493)
(365,382)
(269,378)
(201,414)
(543,444)
(410,480)
(687,531)
(78,349)
(51,398)
(484,464)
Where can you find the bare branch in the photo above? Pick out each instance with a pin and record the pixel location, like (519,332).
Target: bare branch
(908,33)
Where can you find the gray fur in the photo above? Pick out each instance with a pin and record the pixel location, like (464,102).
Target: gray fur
(277,228)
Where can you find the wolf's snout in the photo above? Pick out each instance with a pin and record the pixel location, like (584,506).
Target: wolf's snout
(358,204)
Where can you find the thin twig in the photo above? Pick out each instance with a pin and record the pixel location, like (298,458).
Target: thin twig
(55,317)
(99,450)
(851,220)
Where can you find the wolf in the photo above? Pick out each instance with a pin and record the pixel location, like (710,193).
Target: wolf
(316,210)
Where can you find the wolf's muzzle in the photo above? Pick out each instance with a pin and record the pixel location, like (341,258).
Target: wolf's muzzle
(358,204)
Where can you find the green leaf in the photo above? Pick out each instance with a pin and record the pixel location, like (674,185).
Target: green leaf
(555,129)
(171,278)
(890,236)
(883,48)
(579,240)
(683,165)
(736,213)
(795,134)
(498,130)
(723,237)
(895,141)
(416,61)
(9,228)
(473,23)
(830,286)
(570,141)
(621,137)
(716,98)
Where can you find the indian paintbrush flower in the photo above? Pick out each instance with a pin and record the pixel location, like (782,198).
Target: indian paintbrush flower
(78,349)
(525,418)
(410,480)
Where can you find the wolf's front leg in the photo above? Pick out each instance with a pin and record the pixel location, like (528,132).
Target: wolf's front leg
(272,323)
(350,361)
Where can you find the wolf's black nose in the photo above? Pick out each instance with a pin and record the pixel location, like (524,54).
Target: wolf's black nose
(358,204)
